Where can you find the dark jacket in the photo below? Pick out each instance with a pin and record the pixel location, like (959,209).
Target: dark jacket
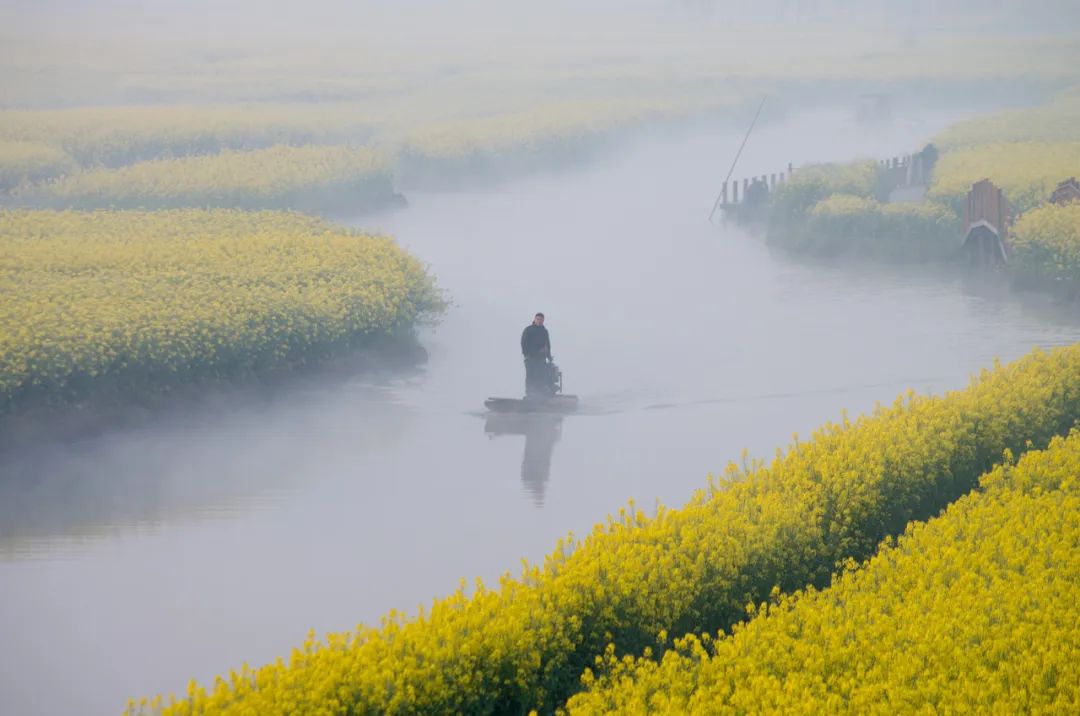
(535,342)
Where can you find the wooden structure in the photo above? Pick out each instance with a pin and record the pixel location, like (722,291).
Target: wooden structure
(907,171)
(1067,191)
(986,222)
(755,191)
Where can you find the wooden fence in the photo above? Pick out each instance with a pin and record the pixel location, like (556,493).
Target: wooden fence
(910,170)
(730,194)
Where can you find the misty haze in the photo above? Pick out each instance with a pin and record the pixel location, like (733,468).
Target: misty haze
(808,271)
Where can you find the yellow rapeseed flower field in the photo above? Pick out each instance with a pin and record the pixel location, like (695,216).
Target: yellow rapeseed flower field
(429,136)
(636,579)
(112,136)
(309,177)
(1045,243)
(972,612)
(1053,122)
(862,226)
(550,123)
(812,183)
(1026,171)
(26,161)
(125,300)
(550,132)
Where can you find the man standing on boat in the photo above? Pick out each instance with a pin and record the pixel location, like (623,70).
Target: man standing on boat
(536,347)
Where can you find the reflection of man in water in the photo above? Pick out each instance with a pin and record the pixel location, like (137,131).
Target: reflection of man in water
(536,347)
(541,432)
(540,441)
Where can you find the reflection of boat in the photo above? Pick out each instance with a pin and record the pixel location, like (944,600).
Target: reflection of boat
(541,431)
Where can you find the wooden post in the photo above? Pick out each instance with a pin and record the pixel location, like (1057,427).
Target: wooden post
(1002,217)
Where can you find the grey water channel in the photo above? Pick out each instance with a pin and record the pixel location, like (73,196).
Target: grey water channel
(135,560)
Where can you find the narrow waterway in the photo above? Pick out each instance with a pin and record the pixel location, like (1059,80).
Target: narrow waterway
(135,560)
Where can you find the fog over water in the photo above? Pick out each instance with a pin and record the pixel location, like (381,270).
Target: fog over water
(134,560)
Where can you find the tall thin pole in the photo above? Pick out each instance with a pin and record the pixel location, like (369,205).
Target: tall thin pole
(738,154)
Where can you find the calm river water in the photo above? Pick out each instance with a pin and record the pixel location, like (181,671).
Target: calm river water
(135,560)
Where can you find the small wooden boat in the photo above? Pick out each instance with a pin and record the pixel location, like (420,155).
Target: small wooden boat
(554,402)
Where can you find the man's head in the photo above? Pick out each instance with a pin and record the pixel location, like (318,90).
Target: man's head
(538,319)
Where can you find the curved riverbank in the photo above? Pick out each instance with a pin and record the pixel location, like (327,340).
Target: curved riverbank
(636,579)
(225,537)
